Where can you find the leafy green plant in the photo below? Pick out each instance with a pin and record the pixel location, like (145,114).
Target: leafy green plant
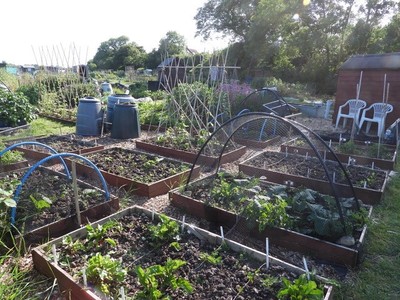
(106,273)
(349,147)
(151,163)
(97,236)
(7,188)
(176,136)
(300,289)
(167,230)
(10,157)
(8,185)
(153,113)
(15,109)
(41,203)
(214,258)
(359,218)
(268,212)
(158,280)
(71,245)
(225,190)
(269,281)
(32,92)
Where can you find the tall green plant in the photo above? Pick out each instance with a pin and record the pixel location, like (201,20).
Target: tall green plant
(15,109)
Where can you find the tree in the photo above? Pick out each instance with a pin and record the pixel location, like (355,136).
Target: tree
(173,44)
(228,17)
(116,53)
(297,42)
(391,40)
(129,55)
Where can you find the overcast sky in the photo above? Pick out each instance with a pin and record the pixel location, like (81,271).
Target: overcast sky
(51,31)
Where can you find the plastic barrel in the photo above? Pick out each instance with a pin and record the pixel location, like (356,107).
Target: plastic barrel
(88,117)
(114,99)
(125,121)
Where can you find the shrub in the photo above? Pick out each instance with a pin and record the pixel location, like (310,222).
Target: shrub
(31,91)
(15,109)
(139,89)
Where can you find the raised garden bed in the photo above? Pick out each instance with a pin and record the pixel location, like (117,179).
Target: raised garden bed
(11,160)
(229,202)
(4,168)
(278,167)
(46,205)
(58,118)
(141,173)
(365,154)
(63,143)
(178,143)
(190,157)
(159,259)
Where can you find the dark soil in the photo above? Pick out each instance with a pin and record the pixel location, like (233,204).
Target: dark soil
(63,143)
(192,144)
(235,277)
(370,150)
(136,165)
(311,167)
(59,191)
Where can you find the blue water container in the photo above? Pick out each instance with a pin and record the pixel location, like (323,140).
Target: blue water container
(89,116)
(114,99)
(125,121)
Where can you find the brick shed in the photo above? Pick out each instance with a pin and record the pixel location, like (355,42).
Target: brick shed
(373,68)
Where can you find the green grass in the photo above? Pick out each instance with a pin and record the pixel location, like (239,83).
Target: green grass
(378,275)
(19,281)
(41,126)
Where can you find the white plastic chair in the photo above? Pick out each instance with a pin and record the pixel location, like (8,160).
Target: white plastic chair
(380,110)
(354,108)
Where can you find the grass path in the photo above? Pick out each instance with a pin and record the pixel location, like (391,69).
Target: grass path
(378,276)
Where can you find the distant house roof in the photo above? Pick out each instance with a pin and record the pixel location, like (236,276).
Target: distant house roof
(166,62)
(390,61)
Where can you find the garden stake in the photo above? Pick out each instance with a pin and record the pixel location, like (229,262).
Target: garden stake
(348,161)
(267,253)
(372,165)
(84,277)
(333,177)
(183,223)
(340,139)
(53,248)
(122,293)
(152,213)
(75,187)
(306,268)
(330,143)
(365,184)
(222,233)
(306,155)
